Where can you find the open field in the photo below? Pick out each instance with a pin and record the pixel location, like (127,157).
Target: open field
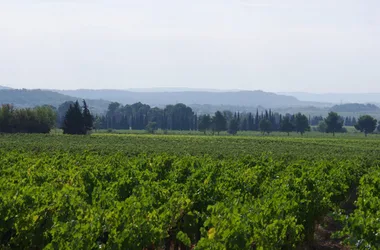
(299,147)
(120,191)
(351,132)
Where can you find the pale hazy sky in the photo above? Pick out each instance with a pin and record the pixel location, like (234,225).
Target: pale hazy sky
(283,45)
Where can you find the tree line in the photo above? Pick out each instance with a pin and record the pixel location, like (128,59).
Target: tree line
(140,116)
(27,120)
(73,118)
(41,119)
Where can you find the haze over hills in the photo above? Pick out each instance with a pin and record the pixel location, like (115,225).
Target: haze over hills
(237,98)
(158,96)
(165,89)
(335,97)
(31,98)
(201,101)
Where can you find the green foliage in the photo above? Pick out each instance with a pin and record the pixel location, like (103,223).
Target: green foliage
(88,200)
(138,115)
(310,147)
(73,121)
(61,112)
(204,123)
(37,120)
(265,126)
(366,124)
(76,121)
(301,123)
(362,226)
(322,127)
(286,125)
(88,119)
(334,123)
(219,122)
(158,192)
(233,126)
(151,127)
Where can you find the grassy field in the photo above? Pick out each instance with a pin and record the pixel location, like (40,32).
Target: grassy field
(352,132)
(176,191)
(342,146)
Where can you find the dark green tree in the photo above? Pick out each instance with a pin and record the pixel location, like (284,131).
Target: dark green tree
(74,122)
(88,119)
(334,123)
(322,127)
(99,122)
(233,126)
(180,117)
(353,121)
(204,123)
(151,127)
(265,126)
(366,124)
(301,123)
(257,121)
(286,125)
(61,112)
(244,124)
(113,115)
(6,117)
(219,122)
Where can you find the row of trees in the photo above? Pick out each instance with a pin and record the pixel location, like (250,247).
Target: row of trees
(138,115)
(334,123)
(181,117)
(178,117)
(74,119)
(27,120)
(266,123)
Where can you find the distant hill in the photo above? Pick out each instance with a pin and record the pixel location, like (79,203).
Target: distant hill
(31,98)
(200,101)
(355,107)
(336,97)
(238,98)
(163,89)
(4,87)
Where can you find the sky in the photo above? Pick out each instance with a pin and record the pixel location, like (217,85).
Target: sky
(272,45)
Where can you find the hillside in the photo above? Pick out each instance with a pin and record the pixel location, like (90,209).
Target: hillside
(238,98)
(200,101)
(4,87)
(355,107)
(336,97)
(32,98)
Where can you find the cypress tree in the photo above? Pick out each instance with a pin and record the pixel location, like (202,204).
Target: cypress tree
(88,119)
(257,120)
(73,123)
(77,122)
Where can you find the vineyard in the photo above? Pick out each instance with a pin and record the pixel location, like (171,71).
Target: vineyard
(189,192)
